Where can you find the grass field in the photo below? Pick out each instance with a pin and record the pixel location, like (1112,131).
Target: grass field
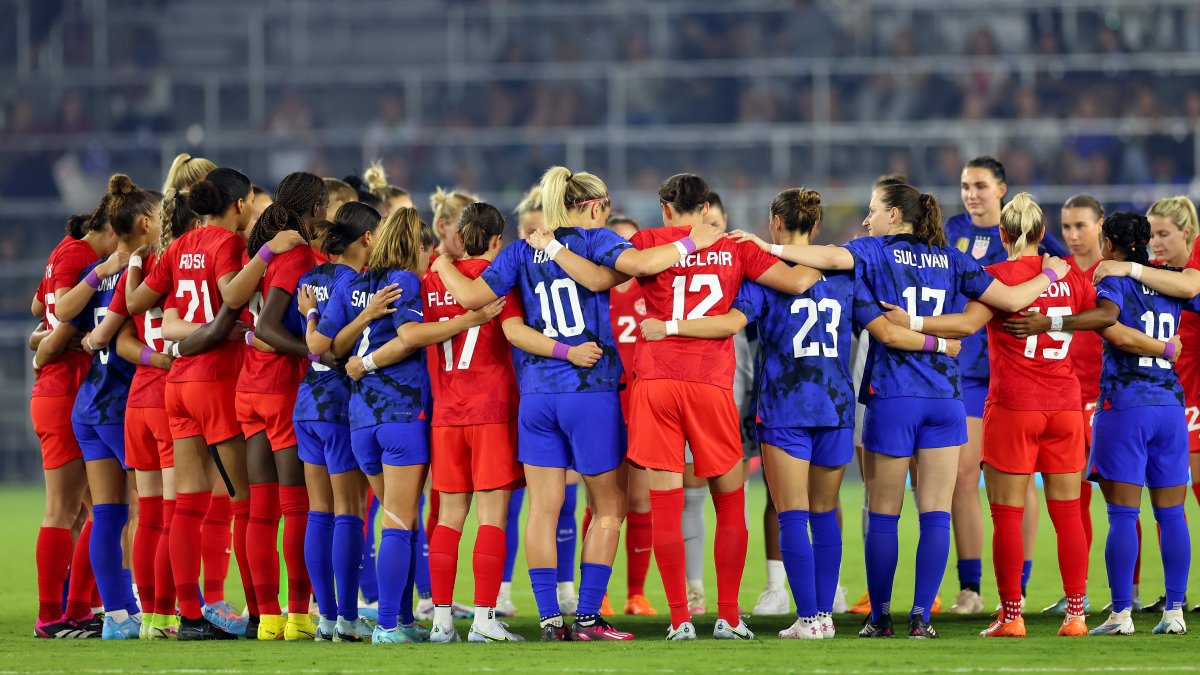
(959,650)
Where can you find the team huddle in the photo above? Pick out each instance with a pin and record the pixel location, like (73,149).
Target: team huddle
(212,355)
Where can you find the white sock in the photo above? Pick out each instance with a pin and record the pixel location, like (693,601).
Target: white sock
(566,589)
(443,616)
(485,617)
(776,574)
(506,588)
(694,530)
(119,615)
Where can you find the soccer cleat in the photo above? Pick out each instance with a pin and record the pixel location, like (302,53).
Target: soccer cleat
(724,631)
(920,629)
(880,629)
(443,635)
(271,627)
(61,629)
(937,605)
(606,607)
(93,623)
(159,627)
(1196,608)
(461,611)
(840,606)
(201,629)
(225,618)
(555,629)
(695,598)
(129,629)
(1159,605)
(389,636)
(424,611)
(598,630)
(497,632)
(1072,626)
(805,628)
(639,605)
(416,631)
(1172,623)
(1013,628)
(772,602)
(148,619)
(370,610)
(352,631)
(567,604)
(299,627)
(967,602)
(326,630)
(1059,608)
(863,606)
(828,630)
(685,631)
(1118,623)
(505,606)
(252,623)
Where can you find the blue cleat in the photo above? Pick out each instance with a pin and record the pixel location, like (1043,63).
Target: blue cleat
(223,616)
(129,629)
(390,636)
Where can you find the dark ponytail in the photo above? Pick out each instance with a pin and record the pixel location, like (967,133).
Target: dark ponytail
(127,202)
(799,208)
(352,221)
(274,219)
(219,190)
(77,225)
(919,209)
(477,224)
(685,192)
(1129,232)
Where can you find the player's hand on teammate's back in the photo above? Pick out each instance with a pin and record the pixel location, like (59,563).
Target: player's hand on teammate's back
(585,355)
(1024,324)
(306,301)
(285,241)
(1178,346)
(381,303)
(895,314)
(742,235)
(478,317)
(704,235)
(541,238)
(1055,263)
(1110,268)
(355,368)
(113,264)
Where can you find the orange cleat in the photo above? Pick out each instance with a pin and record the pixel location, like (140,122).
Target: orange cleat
(639,605)
(863,606)
(606,607)
(937,605)
(1072,626)
(1014,628)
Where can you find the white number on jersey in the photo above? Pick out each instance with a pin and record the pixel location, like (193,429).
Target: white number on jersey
(556,322)
(628,326)
(255,306)
(814,309)
(700,282)
(152,323)
(97,317)
(1159,327)
(935,295)
(50,318)
(468,352)
(195,293)
(1051,353)
(365,342)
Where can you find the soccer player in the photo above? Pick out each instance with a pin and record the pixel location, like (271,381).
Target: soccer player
(446,207)
(914,401)
(805,402)
(390,196)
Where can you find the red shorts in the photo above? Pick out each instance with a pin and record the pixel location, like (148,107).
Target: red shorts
(477,457)
(271,413)
(148,445)
(202,409)
(1028,441)
(52,423)
(1089,415)
(664,414)
(1189,378)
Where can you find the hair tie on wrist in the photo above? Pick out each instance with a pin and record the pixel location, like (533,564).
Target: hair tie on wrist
(560,351)
(145,356)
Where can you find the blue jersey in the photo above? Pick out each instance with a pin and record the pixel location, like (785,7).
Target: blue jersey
(395,393)
(984,245)
(804,365)
(1128,380)
(105,389)
(562,310)
(324,394)
(926,280)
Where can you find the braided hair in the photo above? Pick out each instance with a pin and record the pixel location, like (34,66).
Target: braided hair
(1129,232)
(177,217)
(275,219)
(301,192)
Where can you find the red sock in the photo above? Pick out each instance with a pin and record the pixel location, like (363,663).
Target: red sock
(164,578)
(729,556)
(1072,547)
(82,585)
(443,564)
(587,522)
(488,564)
(145,546)
(435,503)
(1008,555)
(667,539)
(215,544)
(1137,565)
(639,538)
(1196,491)
(185,550)
(1085,512)
(262,535)
(54,549)
(241,521)
(293,501)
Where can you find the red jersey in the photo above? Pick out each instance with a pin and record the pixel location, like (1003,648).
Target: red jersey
(702,284)
(149,385)
(67,261)
(1034,373)
(626,309)
(472,373)
(1087,349)
(268,372)
(189,271)
(1188,363)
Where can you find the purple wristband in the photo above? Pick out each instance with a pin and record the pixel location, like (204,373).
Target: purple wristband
(315,358)
(1169,351)
(1050,275)
(144,357)
(688,244)
(560,351)
(250,338)
(92,279)
(930,344)
(265,253)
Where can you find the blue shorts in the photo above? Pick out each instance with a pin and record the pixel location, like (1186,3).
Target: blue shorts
(1146,445)
(823,446)
(391,443)
(901,426)
(325,444)
(584,431)
(974,394)
(101,441)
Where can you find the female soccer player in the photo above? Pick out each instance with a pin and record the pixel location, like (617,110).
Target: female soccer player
(446,206)
(914,401)
(185,171)
(390,196)
(805,402)
(1022,434)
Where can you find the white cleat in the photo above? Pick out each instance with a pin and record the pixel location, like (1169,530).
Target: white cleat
(685,631)
(967,602)
(724,631)
(1172,623)
(772,602)
(424,610)
(697,604)
(567,604)
(357,630)
(505,606)
(828,630)
(1118,623)
(497,632)
(840,606)
(443,635)
(804,629)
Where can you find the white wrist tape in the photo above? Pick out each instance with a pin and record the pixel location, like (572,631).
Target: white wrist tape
(683,252)
(553,248)
(672,327)
(941,345)
(135,261)
(1135,271)
(369,363)
(777,250)
(1056,323)
(916,323)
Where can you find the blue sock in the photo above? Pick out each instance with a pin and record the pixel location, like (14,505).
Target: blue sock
(318,560)
(395,561)
(347,556)
(421,571)
(545,590)
(1176,552)
(882,551)
(108,520)
(131,604)
(1120,554)
(566,535)
(512,533)
(593,584)
(1026,572)
(827,556)
(368,580)
(933,550)
(406,615)
(797,553)
(970,574)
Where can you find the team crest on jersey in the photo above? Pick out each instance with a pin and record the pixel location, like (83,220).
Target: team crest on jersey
(961,244)
(980,249)
(639,306)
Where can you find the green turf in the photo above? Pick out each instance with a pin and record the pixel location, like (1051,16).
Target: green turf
(959,650)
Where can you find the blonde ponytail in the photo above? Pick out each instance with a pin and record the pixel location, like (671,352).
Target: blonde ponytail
(563,192)
(1021,219)
(444,204)
(186,171)
(1182,212)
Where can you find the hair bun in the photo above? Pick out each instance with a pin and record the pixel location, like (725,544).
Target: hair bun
(205,198)
(120,184)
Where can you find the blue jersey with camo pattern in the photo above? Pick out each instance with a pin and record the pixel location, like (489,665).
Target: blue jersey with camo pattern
(324,394)
(105,389)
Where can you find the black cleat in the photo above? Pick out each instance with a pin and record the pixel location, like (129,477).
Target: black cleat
(201,629)
(252,627)
(1156,607)
(63,629)
(881,629)
(94,624)
(920,629)
(556,631)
